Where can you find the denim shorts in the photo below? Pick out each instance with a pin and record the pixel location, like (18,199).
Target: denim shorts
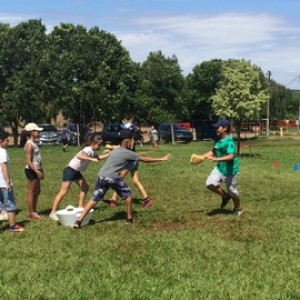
(231,181)
(116,184)
(69,174)
(132,165)
(8,198)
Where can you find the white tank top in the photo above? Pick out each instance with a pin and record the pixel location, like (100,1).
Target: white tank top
(36,156)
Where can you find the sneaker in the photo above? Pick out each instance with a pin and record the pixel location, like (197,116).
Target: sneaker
(3,217)
(130,220)
(110,202)
(148,202)
(237,212)
(77,224)
(16,228)
(53,217)
(224,202)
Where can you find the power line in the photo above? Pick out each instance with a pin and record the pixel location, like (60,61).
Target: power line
(298,77)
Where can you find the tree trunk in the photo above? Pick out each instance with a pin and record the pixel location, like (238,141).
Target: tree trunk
(14,125)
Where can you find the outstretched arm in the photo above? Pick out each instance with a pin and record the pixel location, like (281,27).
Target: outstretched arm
(223,158)
(147,159)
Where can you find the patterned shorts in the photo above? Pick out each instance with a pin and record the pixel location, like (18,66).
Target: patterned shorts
(116,184)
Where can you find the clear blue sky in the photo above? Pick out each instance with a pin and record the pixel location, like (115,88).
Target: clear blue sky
(266,32)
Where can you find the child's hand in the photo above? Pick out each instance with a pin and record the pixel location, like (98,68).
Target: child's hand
(40,175)
(167,157)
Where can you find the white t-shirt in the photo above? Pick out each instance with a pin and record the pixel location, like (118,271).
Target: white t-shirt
(81,165)
(3,159)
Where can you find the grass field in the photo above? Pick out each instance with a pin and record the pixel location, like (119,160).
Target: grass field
(183,247)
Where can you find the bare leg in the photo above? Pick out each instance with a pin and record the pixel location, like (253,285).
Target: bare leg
(11,218)
(218,190)
(128,201)
(64,188)
(37,193)
(84,188)
(87,209)
(33,192)
(236,202)
(137,183)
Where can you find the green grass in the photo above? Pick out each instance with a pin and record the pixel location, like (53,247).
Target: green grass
(180,248)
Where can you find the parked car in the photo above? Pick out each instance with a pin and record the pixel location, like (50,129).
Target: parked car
(180,134)
(83,133)
(111,132)
(49,135)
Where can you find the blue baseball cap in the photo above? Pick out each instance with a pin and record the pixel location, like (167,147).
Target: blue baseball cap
(222,123)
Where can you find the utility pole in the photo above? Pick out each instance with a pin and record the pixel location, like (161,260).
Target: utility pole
(268,105)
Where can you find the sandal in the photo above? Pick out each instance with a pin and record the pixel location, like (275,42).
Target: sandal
(35,216)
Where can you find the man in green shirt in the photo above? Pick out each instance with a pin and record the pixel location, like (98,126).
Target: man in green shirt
(227,168)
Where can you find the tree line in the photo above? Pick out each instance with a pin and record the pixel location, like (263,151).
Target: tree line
(88,76)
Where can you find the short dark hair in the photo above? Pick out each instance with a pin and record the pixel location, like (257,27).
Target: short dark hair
(3,135)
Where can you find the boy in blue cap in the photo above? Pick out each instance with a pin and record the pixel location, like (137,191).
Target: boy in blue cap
(227,168)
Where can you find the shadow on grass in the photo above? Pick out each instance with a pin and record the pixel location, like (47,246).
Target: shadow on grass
(45,211)
(250,155)
(219,211)
(121,215)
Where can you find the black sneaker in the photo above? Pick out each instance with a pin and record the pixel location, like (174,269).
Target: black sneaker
(77,224)
(225,201)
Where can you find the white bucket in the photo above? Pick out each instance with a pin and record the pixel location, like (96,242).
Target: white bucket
(70,214)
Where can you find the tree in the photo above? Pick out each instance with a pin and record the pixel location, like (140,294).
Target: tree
(282,105)
(241,93)
(21,50)
(158,95)
(200,86)
(93,71)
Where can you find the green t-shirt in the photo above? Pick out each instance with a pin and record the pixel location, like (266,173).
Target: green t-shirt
(222,148)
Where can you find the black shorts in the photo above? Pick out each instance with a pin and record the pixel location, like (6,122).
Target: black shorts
(65,142)
(30,174)
(70,175)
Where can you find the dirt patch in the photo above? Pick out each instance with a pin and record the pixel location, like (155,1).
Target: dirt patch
(166,226)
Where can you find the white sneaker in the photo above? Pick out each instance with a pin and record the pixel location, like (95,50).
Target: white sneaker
(53,217)
(3,217)
(237,212)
